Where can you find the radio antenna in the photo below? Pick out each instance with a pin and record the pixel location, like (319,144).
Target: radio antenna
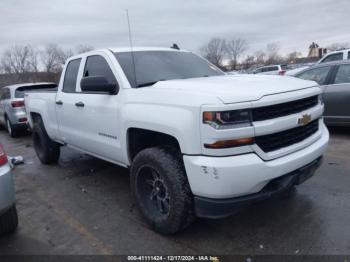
(131,47)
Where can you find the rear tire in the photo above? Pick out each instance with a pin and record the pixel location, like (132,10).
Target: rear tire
(11,129)
(159,184)
(47,150)
(9,221)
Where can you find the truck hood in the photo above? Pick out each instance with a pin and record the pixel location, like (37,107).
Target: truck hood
(237,88)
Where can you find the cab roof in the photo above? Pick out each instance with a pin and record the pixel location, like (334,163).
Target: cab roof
(143,48)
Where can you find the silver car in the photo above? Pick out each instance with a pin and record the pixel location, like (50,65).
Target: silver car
(334,79)
(12,111)
(8,211)
(271,70)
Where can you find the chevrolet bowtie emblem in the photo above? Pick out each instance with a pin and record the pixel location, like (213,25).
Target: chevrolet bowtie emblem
(304,120)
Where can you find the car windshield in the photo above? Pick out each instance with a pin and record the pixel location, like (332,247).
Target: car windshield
(154,66)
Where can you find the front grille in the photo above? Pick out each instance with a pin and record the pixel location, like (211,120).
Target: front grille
(272,142)
(284,109)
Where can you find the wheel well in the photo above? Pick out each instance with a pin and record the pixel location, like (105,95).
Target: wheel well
(35,117)
(139,139)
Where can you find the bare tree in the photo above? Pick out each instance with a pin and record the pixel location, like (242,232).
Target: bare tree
(19,60)
(235,48)
(66,54)
(273,53)
(260,57)
(83,48)
(293,55)
(51,58)
(248,62)
(338,46)
(214,51)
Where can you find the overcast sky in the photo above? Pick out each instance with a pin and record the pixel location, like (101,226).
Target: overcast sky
(102,23)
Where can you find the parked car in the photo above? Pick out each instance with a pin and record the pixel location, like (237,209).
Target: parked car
(271,70)
(12,110)
(295,71)
(198,142)
(233,72)
(334,79)
(8,211)
(335,56)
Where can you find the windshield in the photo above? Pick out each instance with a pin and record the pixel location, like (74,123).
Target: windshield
(154,66)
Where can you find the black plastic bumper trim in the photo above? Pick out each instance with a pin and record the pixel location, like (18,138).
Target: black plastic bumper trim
(219,208)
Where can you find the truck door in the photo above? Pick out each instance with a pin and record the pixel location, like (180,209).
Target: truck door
(65,107)
(96,115)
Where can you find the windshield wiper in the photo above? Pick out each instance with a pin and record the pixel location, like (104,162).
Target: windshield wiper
(149,83)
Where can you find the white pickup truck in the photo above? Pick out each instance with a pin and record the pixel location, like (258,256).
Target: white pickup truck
(197,142)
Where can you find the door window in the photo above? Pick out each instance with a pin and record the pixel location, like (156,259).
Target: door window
(317,74)
(349,55)
(333,57)
(97,66)
(71,75)
(343,75)
(5,94)
(270,68)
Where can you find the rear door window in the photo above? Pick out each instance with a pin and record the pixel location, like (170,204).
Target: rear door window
(333,57)
(343,75)
(349,55)
(271,68)
(71,75)
(5,94)
(318,75)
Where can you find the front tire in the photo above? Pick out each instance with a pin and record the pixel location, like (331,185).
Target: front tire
(159,184)
(47,150)
(9,221)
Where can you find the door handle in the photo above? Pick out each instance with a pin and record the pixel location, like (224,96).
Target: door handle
(59,102)
(79,104)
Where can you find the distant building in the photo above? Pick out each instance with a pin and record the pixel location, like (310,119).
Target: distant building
(315,51)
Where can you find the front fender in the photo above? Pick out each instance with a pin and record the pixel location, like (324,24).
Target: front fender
(181,123)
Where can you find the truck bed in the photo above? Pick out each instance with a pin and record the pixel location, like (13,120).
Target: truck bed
(43,102)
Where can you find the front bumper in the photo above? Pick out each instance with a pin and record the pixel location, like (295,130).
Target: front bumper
(245,174)
(219,208)
(7,192)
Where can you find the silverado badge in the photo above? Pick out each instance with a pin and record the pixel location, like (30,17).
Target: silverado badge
(304,120)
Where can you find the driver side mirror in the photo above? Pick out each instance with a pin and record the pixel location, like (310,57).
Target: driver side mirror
(98,84)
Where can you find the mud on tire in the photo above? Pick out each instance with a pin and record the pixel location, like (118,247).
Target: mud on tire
(48,151)
(159,184)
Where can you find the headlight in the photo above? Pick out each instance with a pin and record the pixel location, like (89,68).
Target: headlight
(228,119)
